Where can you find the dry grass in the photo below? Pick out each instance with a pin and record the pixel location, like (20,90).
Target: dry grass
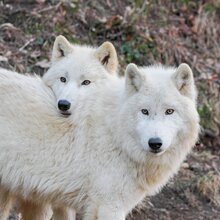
(209,187)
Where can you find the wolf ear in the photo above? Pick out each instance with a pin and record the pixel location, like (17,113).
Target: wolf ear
(183,79)
(107,55)
(133,79)
(61,48)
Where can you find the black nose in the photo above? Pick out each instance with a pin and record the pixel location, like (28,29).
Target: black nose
(155,143)
(64,105)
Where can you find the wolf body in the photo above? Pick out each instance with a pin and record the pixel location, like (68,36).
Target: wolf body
(129,135)
(32,111)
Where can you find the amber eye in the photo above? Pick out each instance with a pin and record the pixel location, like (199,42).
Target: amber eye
(169,111)
(145,111)
(86,82)
(63,79)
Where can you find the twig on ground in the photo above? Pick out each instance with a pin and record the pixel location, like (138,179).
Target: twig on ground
(26,44)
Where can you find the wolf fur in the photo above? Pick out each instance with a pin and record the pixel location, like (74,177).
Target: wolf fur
(94,162)
(39,97)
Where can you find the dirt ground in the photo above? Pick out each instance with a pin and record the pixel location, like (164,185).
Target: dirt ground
(144,32)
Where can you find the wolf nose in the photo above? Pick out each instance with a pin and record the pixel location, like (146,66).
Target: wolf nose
(155,143)
(64,105)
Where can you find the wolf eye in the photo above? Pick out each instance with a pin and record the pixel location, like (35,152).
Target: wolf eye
(63,79)
(145,111)
(86,82)
(169,111)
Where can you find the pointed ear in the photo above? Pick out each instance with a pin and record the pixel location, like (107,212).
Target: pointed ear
(107,55)
(183,79)
(61,48)
(133,79)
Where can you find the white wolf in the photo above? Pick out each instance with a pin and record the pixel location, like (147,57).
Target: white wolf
(28,103)
(74,67)
(128,136)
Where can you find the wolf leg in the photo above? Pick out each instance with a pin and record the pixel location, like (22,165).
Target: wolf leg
(63,214)
(104,213)
(6,202)
(33,211)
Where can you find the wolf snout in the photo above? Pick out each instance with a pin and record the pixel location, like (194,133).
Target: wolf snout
(155,144)
(64,105)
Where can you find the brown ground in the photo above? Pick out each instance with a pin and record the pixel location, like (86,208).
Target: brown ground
(143,32)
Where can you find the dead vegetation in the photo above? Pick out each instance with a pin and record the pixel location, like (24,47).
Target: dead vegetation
(209,187)
(144,32)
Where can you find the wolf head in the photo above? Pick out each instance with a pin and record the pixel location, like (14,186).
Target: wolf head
(160,107)
(76,69)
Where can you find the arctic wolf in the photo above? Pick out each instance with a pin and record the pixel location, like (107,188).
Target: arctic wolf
(74,68)
(128,136)
(29,108)
(126,139)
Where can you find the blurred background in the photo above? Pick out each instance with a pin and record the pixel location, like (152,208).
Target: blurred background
(143,32)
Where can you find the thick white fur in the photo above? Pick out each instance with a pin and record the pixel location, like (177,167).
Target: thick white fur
(78,63)
(35,95)
(95,163)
